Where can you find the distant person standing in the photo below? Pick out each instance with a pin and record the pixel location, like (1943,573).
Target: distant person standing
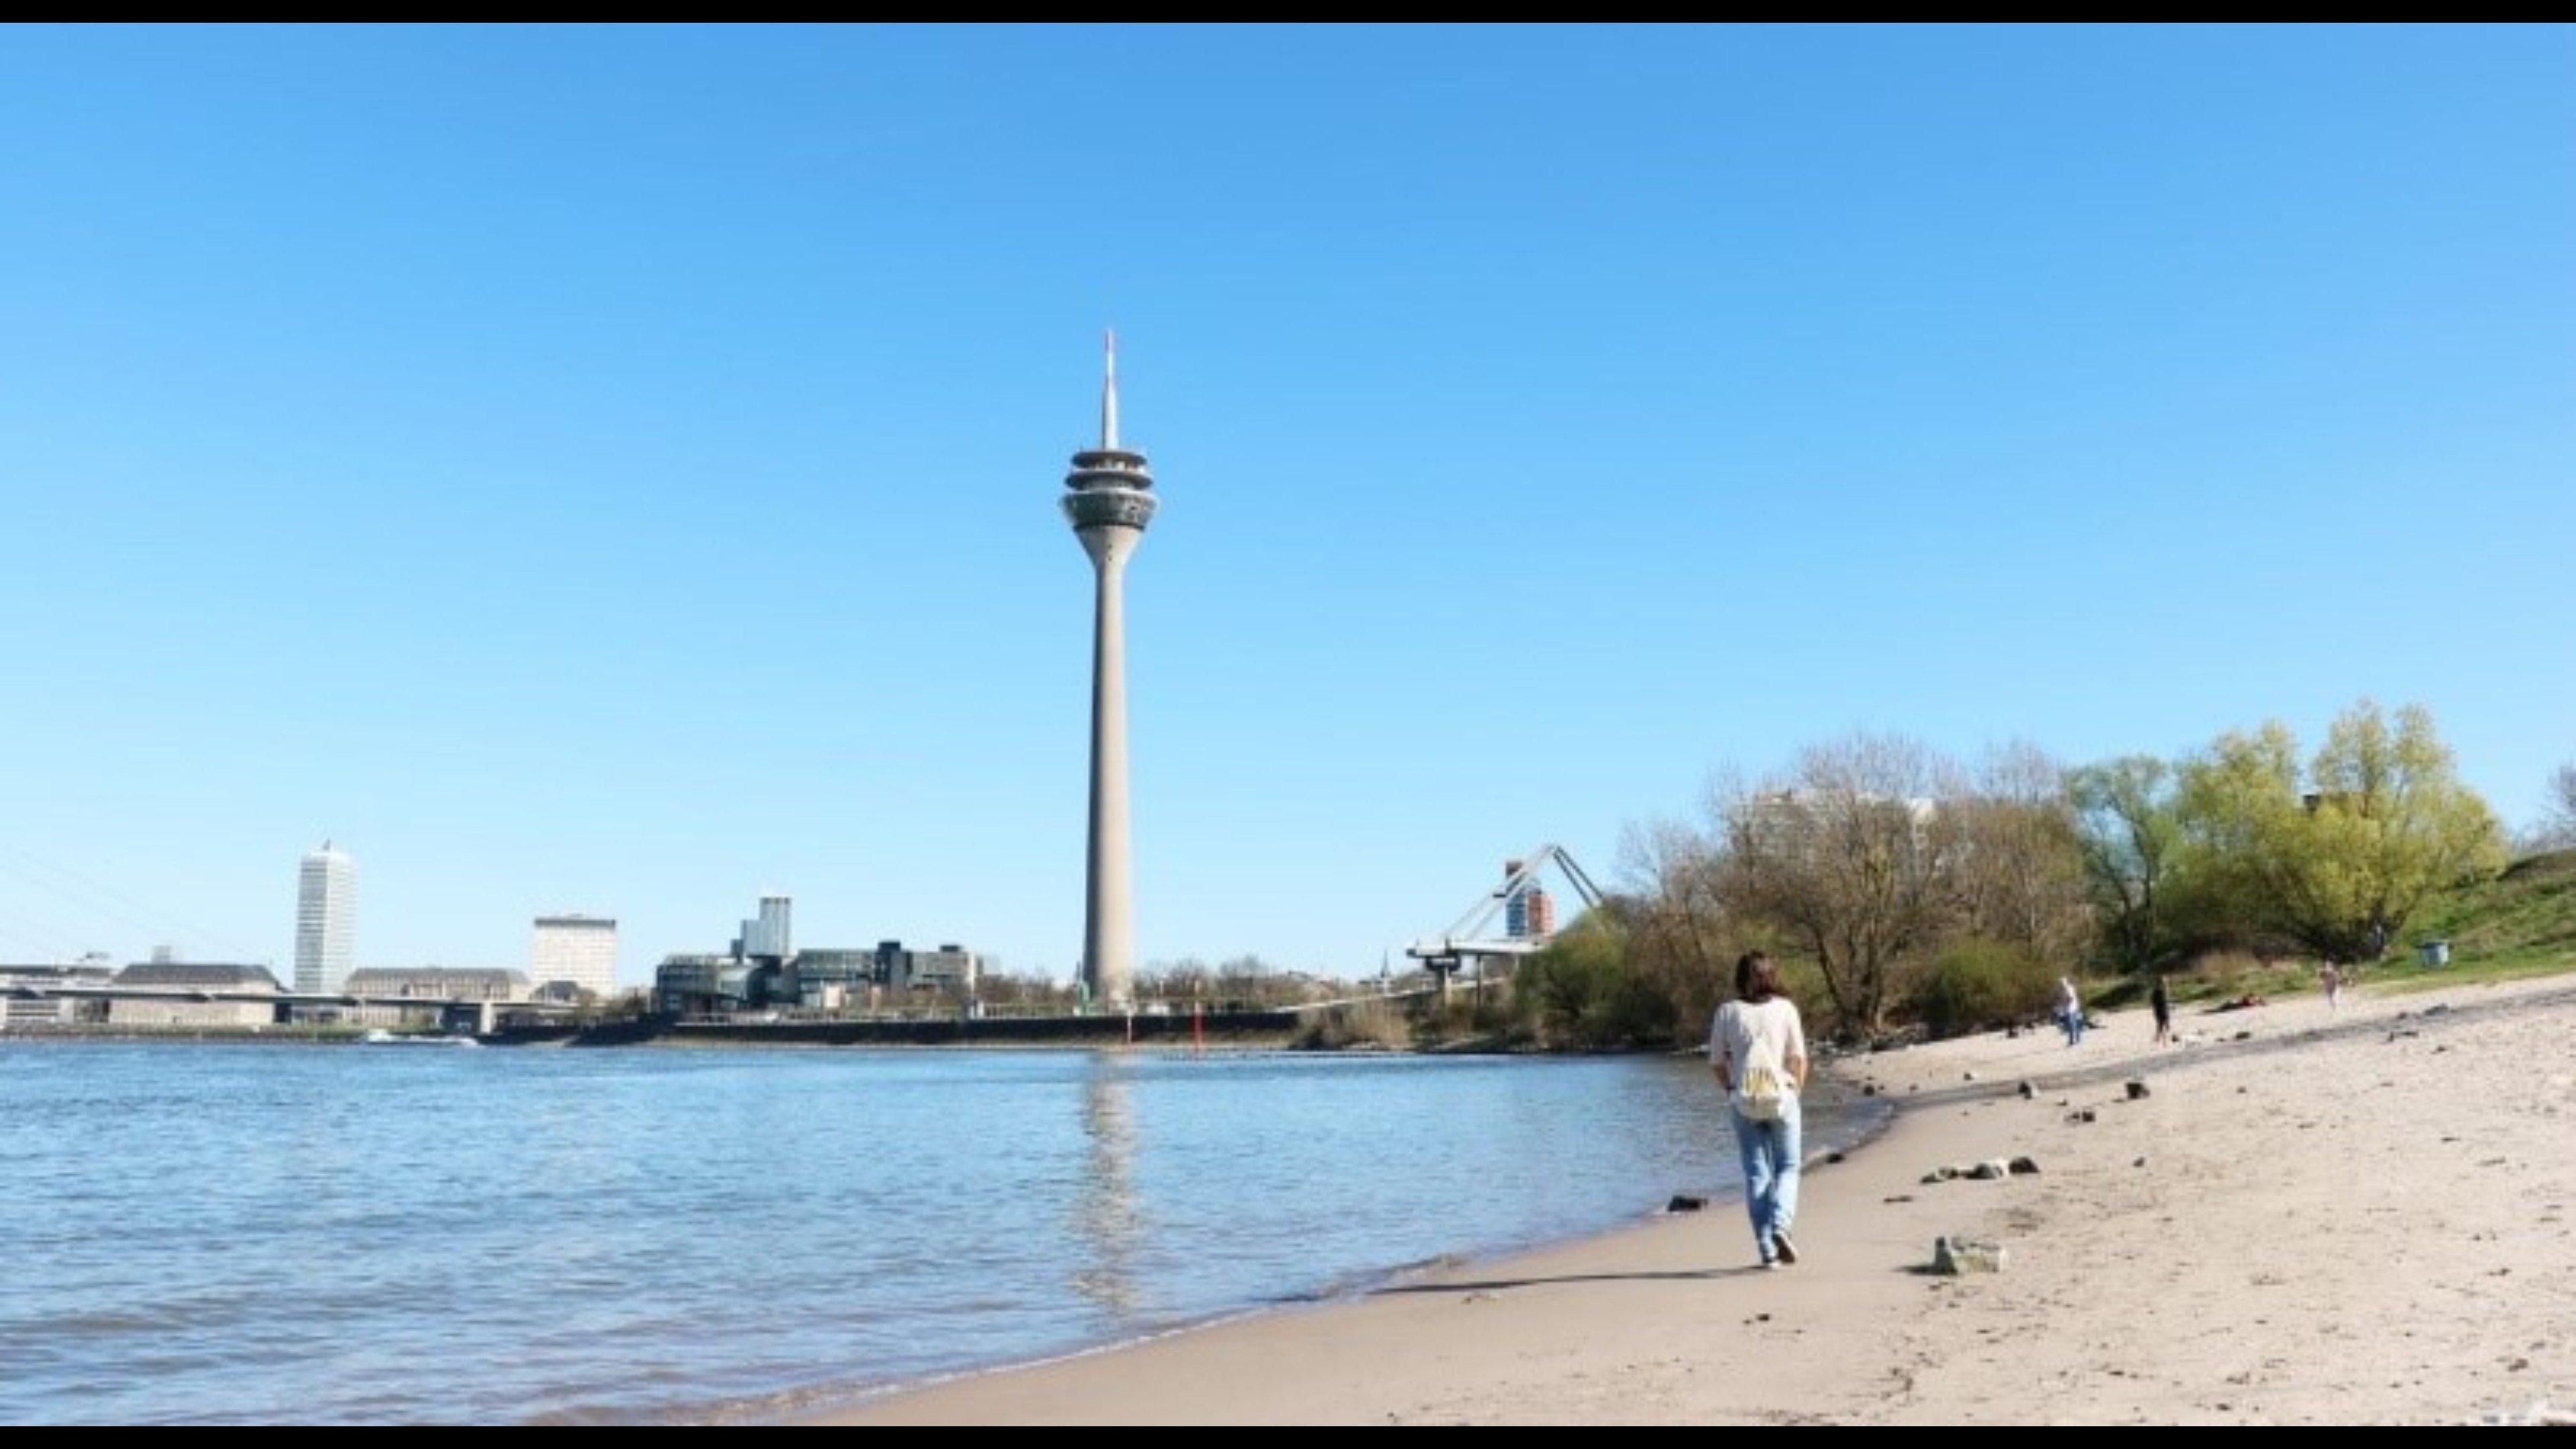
(1758,1048)
(2332,975)
(2161,1001)
(2070,1011)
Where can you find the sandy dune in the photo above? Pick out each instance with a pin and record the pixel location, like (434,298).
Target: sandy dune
(2354,1216)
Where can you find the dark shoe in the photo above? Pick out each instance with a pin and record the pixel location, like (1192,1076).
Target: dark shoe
(1788,1250)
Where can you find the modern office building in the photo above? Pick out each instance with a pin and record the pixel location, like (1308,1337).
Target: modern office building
(1109,498)
(817,979)
(768,934)
(950,968)
(578,949)
(192,986)
(1531,913)
(326,920)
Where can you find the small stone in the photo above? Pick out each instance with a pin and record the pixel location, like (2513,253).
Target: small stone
(2084,1116)
(1932,1177)
(2242,1036)
(1869,1089)
(1685,1203)
(1957,1256)
(2437,1009)
(2136,1089)
(2027,1091)
(2141,1162)
(1990,1170)
(1833,1157)
(2023,1167)
(1967,1076)
(1900,1197)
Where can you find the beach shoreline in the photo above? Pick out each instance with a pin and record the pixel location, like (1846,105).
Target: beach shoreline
(1636,1324)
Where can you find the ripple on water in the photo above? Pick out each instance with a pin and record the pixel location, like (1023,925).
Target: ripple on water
(236,1234)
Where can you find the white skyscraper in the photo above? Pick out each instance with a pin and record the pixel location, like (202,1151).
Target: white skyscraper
(326,920)
(578,949)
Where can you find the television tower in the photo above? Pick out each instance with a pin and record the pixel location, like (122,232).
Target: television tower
(1109,498)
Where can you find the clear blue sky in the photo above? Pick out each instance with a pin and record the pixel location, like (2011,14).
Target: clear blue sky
(617,470)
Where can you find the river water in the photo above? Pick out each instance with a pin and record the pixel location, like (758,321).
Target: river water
(220,1233)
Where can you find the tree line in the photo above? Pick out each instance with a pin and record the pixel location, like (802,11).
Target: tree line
(1904,885)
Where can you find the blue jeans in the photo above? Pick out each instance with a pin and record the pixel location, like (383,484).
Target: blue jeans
(2072,1023)
(1770,1154)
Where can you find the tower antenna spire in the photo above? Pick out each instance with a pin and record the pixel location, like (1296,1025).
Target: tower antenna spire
(1109,390)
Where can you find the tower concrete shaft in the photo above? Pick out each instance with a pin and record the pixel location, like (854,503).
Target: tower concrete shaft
(1109,500)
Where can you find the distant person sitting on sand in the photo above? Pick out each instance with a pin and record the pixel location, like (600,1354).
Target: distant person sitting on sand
(2161,1001)
(2070,1011)
(2332,976)
(1758,1048)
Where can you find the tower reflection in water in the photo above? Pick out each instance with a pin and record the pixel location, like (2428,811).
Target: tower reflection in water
(1106,1217)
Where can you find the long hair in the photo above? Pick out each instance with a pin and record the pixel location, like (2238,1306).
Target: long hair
(1756,979)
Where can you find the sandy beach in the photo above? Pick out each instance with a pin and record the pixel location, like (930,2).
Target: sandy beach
(2365,1215)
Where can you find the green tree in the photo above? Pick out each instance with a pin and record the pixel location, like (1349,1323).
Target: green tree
(2130,837)
(1582,989)
(2338,866)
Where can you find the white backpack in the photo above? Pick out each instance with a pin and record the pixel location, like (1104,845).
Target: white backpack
(1762,1084)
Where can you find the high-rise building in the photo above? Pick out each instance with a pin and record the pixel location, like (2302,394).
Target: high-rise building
(1538,910)
(1529,914)
(1109,499)
(767,934)
(575,948)
(326,920)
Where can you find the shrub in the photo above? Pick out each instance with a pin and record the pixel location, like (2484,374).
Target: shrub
(1975,985)
(1360,1024)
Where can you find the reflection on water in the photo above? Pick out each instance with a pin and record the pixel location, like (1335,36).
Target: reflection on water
(1106,1218)
(233,1234)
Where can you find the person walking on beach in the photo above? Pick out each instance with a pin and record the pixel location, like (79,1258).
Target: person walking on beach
(2161,1000)
(2332,975)
(2070,1011)
(1758,1048)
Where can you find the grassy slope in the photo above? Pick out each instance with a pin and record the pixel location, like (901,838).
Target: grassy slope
(2522,923)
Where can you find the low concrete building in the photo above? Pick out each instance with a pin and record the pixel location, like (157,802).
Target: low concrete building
(951,968)
(187,995)
(433,985)
(28,999)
